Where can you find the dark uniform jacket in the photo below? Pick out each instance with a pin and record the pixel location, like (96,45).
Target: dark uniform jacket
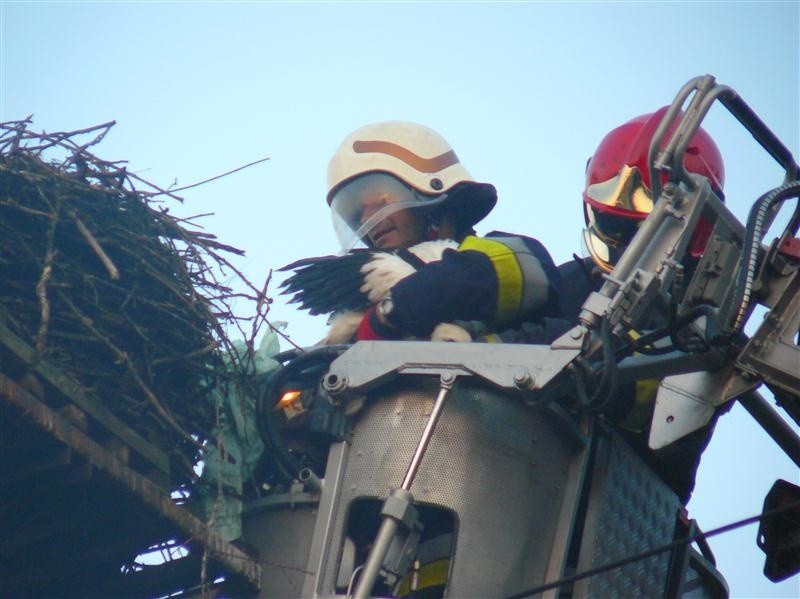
(501,280)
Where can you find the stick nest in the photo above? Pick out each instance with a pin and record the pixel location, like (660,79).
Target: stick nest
(104,283)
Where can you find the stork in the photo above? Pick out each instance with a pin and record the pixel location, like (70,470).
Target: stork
(346,286)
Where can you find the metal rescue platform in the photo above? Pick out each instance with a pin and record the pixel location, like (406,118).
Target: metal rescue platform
(507,494)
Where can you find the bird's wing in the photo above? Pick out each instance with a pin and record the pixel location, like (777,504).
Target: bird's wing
(327,284)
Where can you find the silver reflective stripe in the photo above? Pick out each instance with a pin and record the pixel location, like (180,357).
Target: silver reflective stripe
(535,283)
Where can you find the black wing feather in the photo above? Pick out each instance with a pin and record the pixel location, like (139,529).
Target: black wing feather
(327,284)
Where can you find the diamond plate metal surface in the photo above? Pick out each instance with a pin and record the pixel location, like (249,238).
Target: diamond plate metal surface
(638,513)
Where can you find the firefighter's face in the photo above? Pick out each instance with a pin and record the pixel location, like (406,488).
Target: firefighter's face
(402,228)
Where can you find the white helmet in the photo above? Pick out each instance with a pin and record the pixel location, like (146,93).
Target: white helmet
(426,173)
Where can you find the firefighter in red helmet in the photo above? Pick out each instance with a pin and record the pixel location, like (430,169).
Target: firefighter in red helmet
(616,199)
(617,196)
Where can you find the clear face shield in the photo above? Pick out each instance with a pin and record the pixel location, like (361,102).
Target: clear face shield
(359,206)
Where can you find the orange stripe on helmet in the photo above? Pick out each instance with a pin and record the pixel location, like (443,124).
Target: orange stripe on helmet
(423,165)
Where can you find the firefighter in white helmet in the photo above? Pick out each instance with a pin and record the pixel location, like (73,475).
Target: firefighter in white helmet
(393,185)
(396,184)
(394,167)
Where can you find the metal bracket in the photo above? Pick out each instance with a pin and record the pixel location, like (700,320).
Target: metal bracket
(686,402)
(634,299)
(399,506)
(511,367)
(773,352)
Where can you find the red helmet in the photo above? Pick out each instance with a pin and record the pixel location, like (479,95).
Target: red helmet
(617,194)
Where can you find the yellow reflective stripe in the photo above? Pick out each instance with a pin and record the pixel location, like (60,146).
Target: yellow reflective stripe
(508,271)
(535,282)
(638,418)
(639,415)
(430,574)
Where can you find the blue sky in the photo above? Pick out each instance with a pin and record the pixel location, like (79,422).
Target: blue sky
(523,91)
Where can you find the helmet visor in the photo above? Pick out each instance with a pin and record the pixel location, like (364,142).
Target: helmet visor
(608,232)
(360,205)
(614,209)
(625,192)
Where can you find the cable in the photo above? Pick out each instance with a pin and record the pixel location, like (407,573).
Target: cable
(693,343)
(650,553)
(349,594)
(609,378)
(580,370)
(754,233)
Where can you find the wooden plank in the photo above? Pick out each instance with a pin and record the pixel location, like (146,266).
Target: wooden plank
(96,410)
(38,465)
(234,560)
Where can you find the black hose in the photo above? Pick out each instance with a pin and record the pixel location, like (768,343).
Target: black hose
(581,370)
(310,354)
(609,377)
(711,337)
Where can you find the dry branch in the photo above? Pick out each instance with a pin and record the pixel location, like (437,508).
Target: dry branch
(107,285)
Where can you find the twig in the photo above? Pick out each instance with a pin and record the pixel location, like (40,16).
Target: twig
(113,272)
(81,149)
(151,194)
(30,211)
(188,220)
(41,293)
(219,176)
(91,129)
(44,279)
(258,320)
(123,357)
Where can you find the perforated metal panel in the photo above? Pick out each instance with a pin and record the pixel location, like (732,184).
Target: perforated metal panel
(499,465)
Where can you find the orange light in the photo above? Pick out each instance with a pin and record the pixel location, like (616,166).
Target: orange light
(287,399)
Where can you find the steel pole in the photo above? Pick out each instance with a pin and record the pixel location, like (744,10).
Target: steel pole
(775,426)
(388,528)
